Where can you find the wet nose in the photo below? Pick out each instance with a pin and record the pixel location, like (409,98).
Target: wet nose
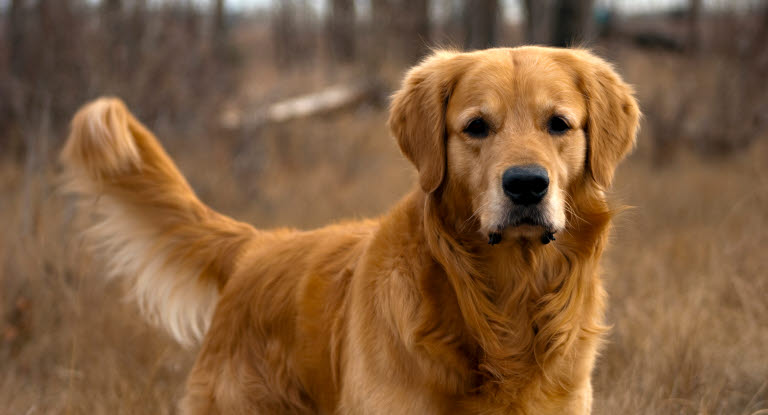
(525,185)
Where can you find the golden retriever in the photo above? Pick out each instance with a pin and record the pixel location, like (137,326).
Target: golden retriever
(478,293)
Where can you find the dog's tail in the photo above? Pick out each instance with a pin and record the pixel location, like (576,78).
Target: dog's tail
(175,252)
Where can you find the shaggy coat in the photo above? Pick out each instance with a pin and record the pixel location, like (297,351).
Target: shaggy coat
(411,313)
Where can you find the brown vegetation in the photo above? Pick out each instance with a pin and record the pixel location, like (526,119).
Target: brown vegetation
(686,274)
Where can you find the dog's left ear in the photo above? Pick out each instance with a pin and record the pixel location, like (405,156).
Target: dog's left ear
(613,115)
(417,115)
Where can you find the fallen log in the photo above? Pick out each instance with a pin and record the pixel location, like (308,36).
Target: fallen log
(327,100)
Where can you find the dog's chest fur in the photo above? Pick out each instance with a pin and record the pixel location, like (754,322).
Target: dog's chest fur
(534,329)
(482,386)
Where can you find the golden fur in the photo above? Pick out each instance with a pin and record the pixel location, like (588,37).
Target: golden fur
(412,313)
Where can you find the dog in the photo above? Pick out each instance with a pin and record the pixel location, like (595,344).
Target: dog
(478,293)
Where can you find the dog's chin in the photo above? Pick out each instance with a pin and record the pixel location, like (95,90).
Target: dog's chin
(523,228)
(525,231)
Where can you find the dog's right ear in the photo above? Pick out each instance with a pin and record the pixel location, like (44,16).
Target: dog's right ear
(417,114)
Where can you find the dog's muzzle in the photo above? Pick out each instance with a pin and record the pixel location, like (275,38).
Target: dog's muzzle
(525,186)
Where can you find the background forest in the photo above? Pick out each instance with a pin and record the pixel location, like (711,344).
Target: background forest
(287,101)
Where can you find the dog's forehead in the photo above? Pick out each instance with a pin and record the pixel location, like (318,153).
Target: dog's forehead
(511,77)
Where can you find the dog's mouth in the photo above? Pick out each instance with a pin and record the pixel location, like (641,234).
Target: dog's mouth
(525,222)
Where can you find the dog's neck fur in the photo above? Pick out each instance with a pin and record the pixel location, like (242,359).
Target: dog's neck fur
(524,305)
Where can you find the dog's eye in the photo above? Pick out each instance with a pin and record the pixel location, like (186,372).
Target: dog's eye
(557,125)
(477,128)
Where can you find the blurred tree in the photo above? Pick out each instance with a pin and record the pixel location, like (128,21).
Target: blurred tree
(381,11)
(414,29)
(111,10)
(291,34)
(53,16)
(136,30)
(694,22)
(558,22)
(138,20)
(399,25)
(284,32)
(480,22)
(56,66)
(572,22)
(11,143)
(15,29)
(380,29)
(193,24)
(538,21)
(115,35)
(340,27)
(112,5)
(219,30)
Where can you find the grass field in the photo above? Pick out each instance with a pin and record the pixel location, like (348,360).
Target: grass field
(687,271)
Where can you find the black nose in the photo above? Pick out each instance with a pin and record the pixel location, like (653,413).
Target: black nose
(525,185)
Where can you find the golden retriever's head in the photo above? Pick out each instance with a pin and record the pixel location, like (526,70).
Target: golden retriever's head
(511,131)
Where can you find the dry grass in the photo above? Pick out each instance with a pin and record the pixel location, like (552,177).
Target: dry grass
(687,273)
(687,276)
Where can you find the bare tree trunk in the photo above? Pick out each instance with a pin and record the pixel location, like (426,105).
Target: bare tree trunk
(380,28)
(46,15)
(381,18)
(15,38)
(292,32)
(111,8)
(694,24)
(219,29)
(136,25)
(414,33)
(138,21)
(481,23)
(13,102)
(340,27)
(538,21)
(284,32)
(114,30)
(572,22)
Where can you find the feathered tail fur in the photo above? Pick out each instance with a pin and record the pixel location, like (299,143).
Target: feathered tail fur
(175,252)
